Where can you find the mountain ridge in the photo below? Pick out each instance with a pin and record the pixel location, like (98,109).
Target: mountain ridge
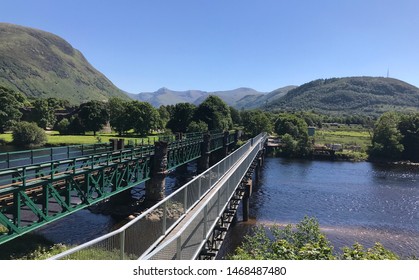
(165,96)
(351,95)
(41,64)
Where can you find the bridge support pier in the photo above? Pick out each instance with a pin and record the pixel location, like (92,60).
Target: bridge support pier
(246,198)
(155,187)
(225,144)
(203,162)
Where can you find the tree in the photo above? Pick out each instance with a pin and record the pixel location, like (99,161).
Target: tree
(10,103)
(181,117)
(292,125)
(118,115)
(255,122)
(297,130)
(28,134)
(43,112)
(93,115)
(164,116)
(215,113)
(143,117)
(63,126)
(235,116)
(75,125)
(199,126)
(290,145)
(409,129)
(386,140)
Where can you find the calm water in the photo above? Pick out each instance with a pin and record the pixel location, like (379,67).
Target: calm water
(361,202)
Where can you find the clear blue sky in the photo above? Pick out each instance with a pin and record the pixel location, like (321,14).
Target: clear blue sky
(142,45)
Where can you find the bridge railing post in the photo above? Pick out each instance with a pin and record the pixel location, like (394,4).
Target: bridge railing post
(199,187)
(122,244)
(164,219)
(185,198)
(204,235)
(179,248)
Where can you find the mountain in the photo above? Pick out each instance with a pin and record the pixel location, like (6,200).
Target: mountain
(40,65)
(351,95)
(259,101)
(231,97)
(166,96)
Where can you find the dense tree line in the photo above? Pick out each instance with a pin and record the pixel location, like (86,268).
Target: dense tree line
(396,137)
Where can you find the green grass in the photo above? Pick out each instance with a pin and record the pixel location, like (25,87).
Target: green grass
(43,253)
(347,136)
(55,139)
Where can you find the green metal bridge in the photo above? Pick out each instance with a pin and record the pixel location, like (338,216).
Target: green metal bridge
(41,186)
(190,223)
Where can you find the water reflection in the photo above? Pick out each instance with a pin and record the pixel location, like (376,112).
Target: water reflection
(362,202)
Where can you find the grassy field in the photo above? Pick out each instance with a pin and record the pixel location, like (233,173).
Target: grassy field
(55,139)
(345,135)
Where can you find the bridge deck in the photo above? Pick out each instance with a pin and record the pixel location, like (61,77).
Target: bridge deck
(180,225)
(190,217)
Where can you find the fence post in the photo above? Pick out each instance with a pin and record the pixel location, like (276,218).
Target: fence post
(179,248)
(122,243)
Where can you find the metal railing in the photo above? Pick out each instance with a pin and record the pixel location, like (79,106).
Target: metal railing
(138,237)
(23,175)
(35,156)
(44,155)
(188,241)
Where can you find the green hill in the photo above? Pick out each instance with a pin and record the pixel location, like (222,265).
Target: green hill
(353,95)
(40,64)
(260,101)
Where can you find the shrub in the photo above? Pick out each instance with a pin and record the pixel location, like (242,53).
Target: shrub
(305,241)
(27,134)
(302,242)
(62,126)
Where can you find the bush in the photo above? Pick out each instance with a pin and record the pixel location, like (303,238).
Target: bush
(27,134)
(377,252)
(302,242)
(62,126)
(305,242)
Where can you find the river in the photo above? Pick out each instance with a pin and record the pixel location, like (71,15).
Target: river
(363,202)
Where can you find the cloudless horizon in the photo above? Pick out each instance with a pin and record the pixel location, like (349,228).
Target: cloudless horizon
(215,45)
